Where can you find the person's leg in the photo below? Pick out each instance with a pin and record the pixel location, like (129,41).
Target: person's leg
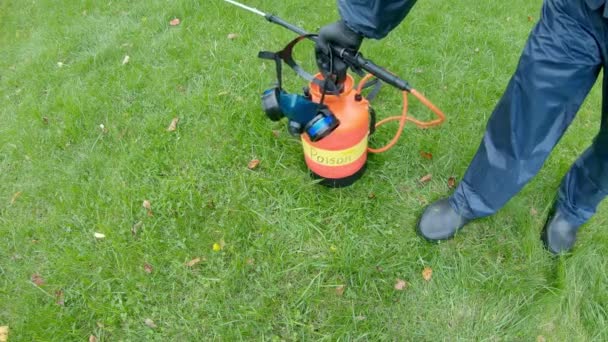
(582,189)
(558,67)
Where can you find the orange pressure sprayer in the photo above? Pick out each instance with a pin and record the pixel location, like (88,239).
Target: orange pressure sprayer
(334,124)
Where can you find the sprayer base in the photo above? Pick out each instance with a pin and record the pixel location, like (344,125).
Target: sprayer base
(340,182)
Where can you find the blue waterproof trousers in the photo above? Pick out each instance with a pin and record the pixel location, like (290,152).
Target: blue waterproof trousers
(558,67)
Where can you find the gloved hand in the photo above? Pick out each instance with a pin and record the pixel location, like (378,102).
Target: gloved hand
(339,35)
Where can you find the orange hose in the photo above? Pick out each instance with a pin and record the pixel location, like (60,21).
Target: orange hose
(422,124)
(403,118)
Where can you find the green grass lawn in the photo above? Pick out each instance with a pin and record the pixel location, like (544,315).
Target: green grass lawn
(293,261)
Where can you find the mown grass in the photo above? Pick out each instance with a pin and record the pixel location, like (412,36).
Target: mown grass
(288,243)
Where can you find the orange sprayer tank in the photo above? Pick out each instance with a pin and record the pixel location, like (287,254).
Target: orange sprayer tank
(340,158)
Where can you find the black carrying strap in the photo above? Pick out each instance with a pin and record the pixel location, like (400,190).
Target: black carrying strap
(286,55)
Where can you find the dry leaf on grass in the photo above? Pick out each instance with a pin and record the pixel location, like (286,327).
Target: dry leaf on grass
(4,333)
(426,155)
(99,235)
(193,262)
(37,279)
(173,126)
(15,197)
(425,179)
(92,338)
(232,36)
(533,211)
(400,285)
(530,18)
(126,60)
(451,182)
(148,206)
(148,268)
(253,164)
(150,323)
(340,290)
(136,227)
(59,298)
(175,22)
(541,338)
(427,273)
(250,261)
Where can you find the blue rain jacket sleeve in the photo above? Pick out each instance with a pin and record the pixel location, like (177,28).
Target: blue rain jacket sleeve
(374,18)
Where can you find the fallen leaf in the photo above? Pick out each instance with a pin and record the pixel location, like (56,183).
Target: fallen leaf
(126,60)
(426,179)
(150,323)
(530,18)
(45,120)
(541,338)
(100,325)
(250,261)
(418,70)
(4,333)
(533,212)
(193,262)
(340,290)
(37,279)
(136,227)
(232,36)
(253,164)
(426,155)
(451,182)
(276,133)
(59,298)
(99,235)
(173,126)
(476,49)
(175,22)
(148,207)
(360,318)
(371,195)
(217,247)
(15,197)
(92,338)
(148,268)
(427,273)
(60,64)
(400,285)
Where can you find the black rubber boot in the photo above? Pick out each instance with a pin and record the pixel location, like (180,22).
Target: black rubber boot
(558,234)
(440,222)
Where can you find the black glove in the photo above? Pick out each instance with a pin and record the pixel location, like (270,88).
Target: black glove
(338,35)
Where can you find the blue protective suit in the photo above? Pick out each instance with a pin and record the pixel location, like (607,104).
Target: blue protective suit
(560,63)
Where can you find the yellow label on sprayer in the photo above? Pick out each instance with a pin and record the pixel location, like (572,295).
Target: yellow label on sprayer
(335,158)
